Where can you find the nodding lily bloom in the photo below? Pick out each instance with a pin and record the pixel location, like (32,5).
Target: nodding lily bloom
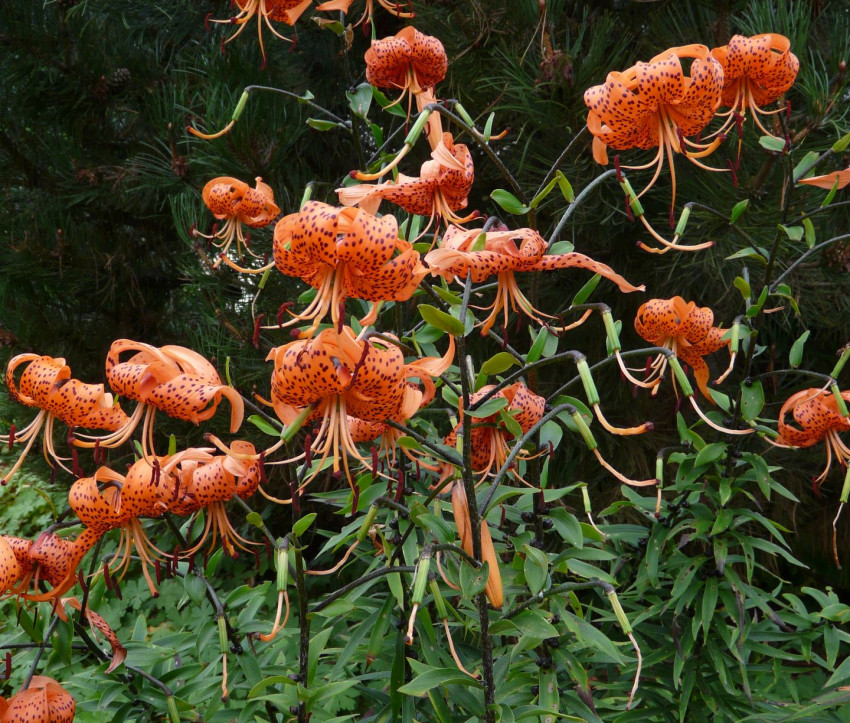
(818,418)
(655,105)
(173,379)
(266,11)
(203,481)
(756,72)
(409,60)
(687,330)
(345,252)
(838,179)
(50,558)
(460,507)
(337,374)
(440,190)
(236,203)
(394,8)
(43,701)
(46,384)
(491,440)
(480,255)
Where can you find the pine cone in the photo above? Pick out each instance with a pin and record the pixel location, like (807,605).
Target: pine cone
(100,90)
(837,257)
(119,80)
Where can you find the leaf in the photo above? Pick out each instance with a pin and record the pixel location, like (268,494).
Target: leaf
(509,202)
(746,253)
(360,100)
(498,363)
(441,320)
(710,453)
(535,568)
(810,232)
(473,579)
(255,518)
(841,144)
(752,400)
(772,143)
(738,209)
(448,296)
(488,408)
(722,522)
(585,291)
(742,286)
(421,684)
(795,233)
(842,672)
(805,164)
(322,125)
(534,624)
(795,356)
(300,527)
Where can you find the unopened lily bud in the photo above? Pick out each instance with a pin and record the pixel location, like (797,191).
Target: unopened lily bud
(281,562)
(367,523)
(438,599)
(619,612)
(611,331)
(493,588)
(584,430)
(222,633)
(734,342)
(420,577)
(634,201)
(173,714)
(659,469)
(586,498)
(681,378)
(683,221)
(587,381)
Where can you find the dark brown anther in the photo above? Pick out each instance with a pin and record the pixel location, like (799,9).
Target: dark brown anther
(648,367)
(7,673)
(247,240)
(269,551)
(502,518)
(296,498)
(360,362)
(207,21)
(308,449)
(374,451)
(629,213)
(98,452)
(733,170)
(176,488)
(256,338)
(682,146)
(262,467)
(158,570)
(356,501)
(175,558)
(281,311)
(11,436)
(75,464)
(617,170)
(82,580)
(52,475)
(418,471)
(256,559)
(399,490)
(117,590)
(787,111)
(672,218)
(70,437)
(221,47)
(155,472)
(337,475)
(107,578)
(341,321)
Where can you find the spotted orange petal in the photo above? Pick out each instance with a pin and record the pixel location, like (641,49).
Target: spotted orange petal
(44,701)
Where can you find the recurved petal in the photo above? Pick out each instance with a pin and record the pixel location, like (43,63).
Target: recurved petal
(829,180)
(194,399)
(577,260)
(10,570)
(223,195)
(428,57)
(657,319)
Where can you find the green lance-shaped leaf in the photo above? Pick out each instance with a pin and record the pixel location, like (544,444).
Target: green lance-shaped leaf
(795,356)
(441,320)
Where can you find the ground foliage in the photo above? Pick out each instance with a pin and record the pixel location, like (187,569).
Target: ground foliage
(730,588)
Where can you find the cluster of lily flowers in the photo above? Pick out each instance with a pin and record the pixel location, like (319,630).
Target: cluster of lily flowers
(353,388)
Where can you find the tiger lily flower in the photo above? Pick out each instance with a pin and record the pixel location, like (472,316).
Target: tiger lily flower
(838,179)
(440,190)
(173,379)
(655,105)
(345,252)
(409,60)
(394,8)
(43,701)
(46,383)
(756,72)
(461,254)
(491,440)
(818,418)
(266,11)
(687,330)
(237,203)
(338,374)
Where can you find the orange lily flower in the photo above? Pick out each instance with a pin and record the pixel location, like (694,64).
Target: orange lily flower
(440,190)
(10,569)
(491,441)
(345,252)
(44,701)
(266,11)
(684,328)
(756,72)
(238,203)
(342,6)
(409,60)
(339,374)
(460,507)
(655,105)
(173,379)
(816,413)
(46,383)
(459,256)
(839,179)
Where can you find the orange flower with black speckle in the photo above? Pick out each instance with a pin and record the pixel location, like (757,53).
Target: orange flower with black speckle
(43,701)
(394,8)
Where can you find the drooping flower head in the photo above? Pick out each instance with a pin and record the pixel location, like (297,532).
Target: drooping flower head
(266,11)
(340,376)
(236,203)
(480,255)
(817,418)
(655,105)
(173,379)
(409,60)
(46,384)
(687,330)
(345,252)
(756,72)
(440,190)
(460,507)
(43,701)
(391,6)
